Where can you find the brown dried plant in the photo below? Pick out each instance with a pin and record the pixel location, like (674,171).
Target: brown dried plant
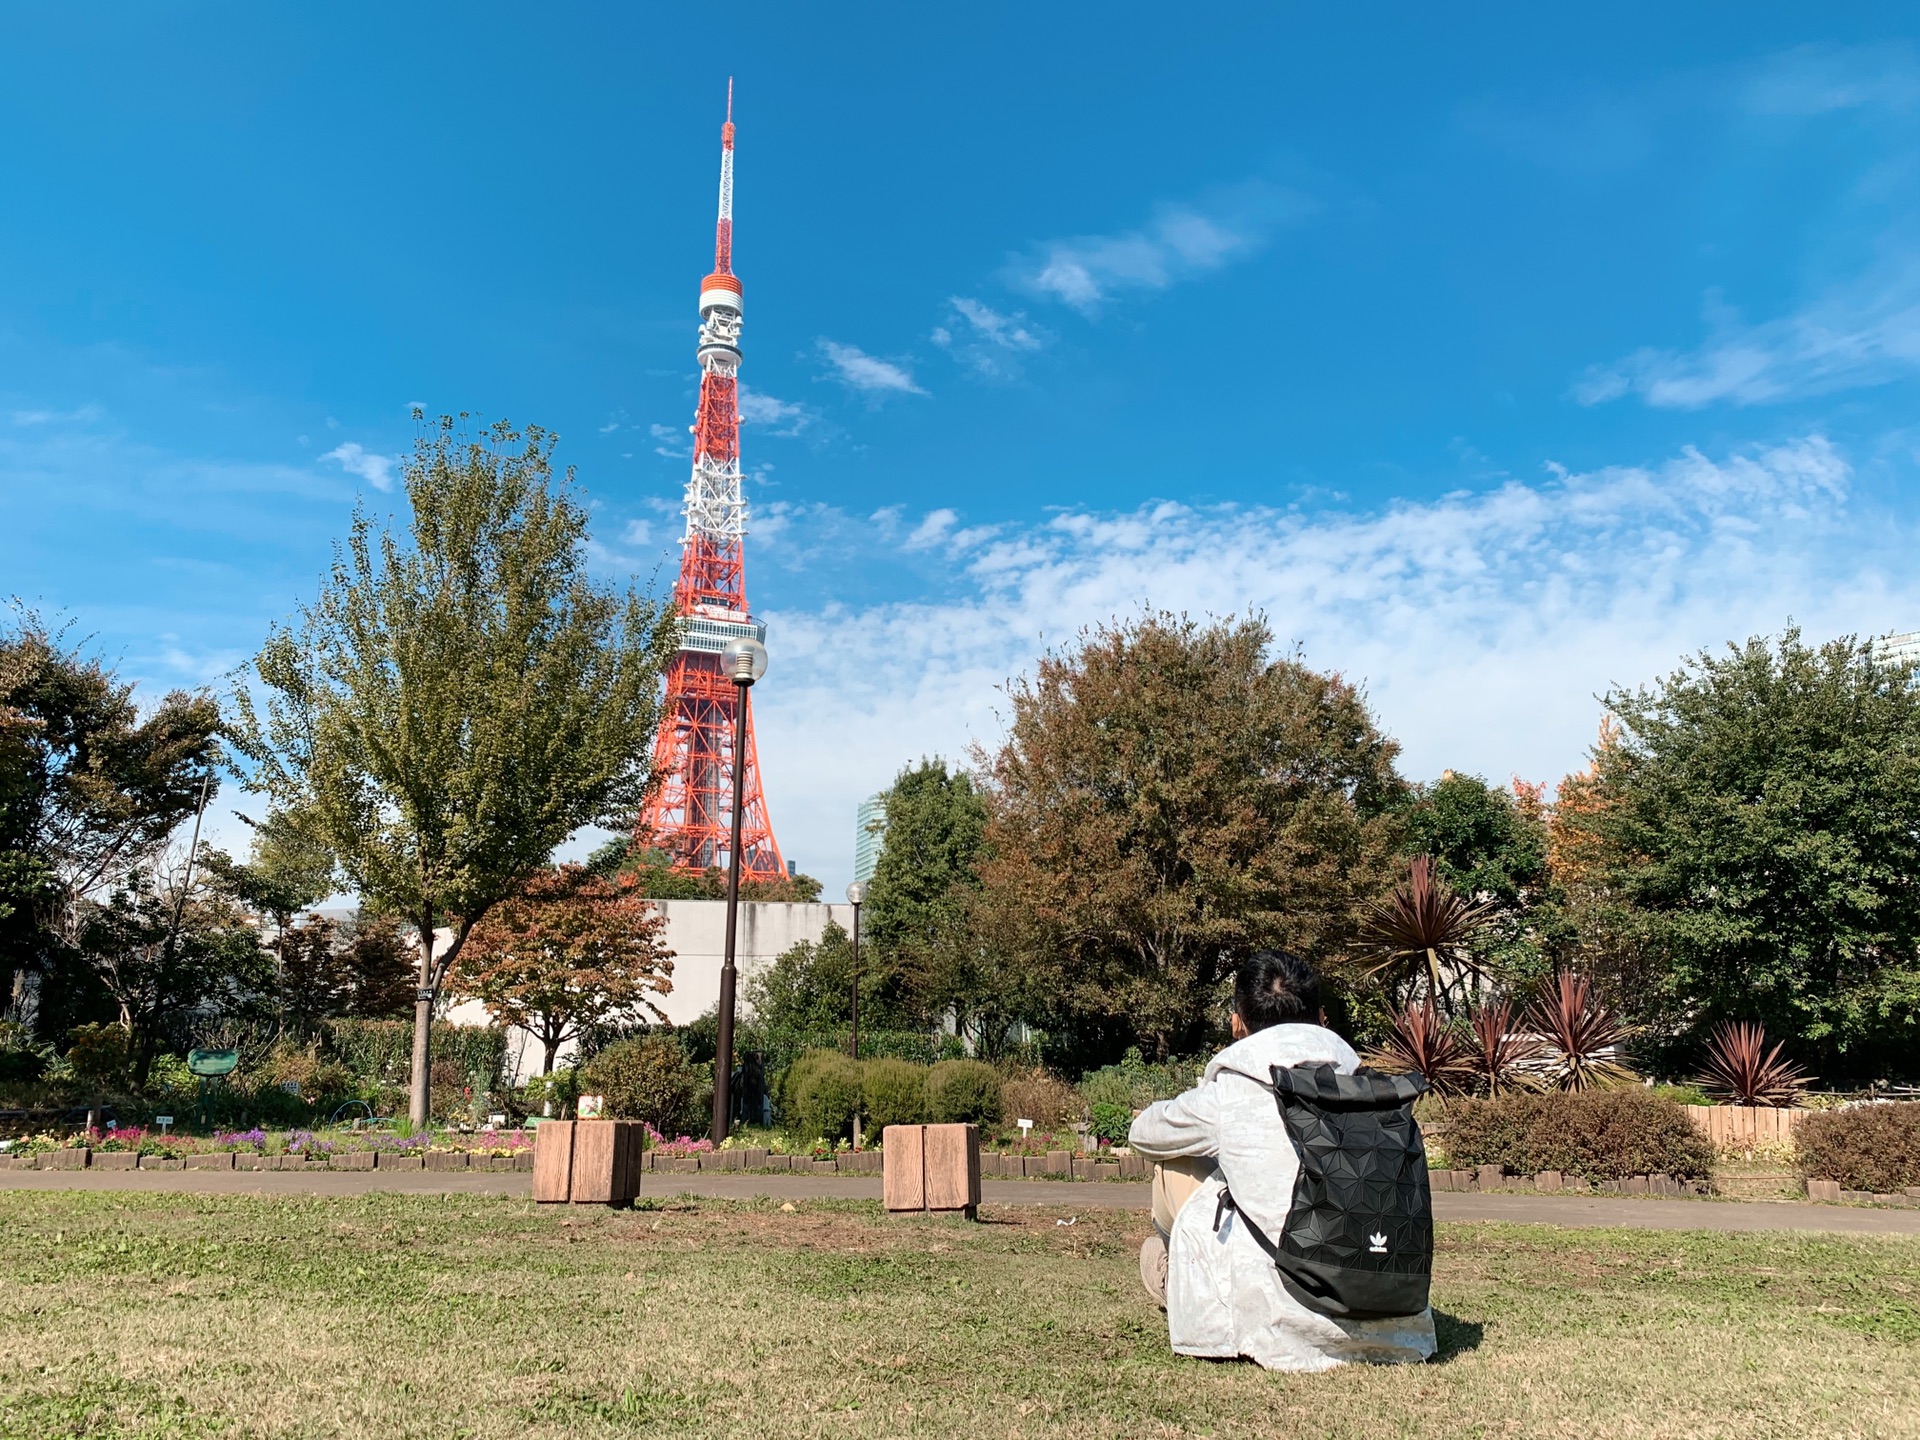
(1424,932)
(1423,1043)
(1742,1071)
(1582,1037)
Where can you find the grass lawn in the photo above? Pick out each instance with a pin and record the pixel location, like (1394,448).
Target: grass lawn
(128,1314)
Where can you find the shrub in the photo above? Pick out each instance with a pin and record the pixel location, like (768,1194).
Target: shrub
(648,1079)
(1111,1122)
(1046,1100)
(1867,1147)
(99,1054)
(820,1094)
(1598,1134)
(1136,1084)
(896,1094)
(963,1092)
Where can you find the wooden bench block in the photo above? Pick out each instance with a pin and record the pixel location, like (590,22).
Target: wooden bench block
(606,1161)
(553,1162)
(903,1183)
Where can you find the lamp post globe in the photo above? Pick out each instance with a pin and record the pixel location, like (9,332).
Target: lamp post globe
(743,661)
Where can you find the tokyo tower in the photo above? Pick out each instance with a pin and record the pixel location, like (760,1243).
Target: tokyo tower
(690,814)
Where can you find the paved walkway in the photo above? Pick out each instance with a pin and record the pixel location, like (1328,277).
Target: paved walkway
(1634,1212)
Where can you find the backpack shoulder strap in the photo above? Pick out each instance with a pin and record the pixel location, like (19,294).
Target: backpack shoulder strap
(1260,1236)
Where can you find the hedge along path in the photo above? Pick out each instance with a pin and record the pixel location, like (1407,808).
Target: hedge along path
(432,1316)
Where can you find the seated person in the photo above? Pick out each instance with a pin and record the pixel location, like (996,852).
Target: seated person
(1222,1292)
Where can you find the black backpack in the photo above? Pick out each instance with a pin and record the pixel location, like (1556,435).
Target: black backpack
(1358,1242)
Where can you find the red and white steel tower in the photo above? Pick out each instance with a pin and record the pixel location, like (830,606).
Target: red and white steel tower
(689,815)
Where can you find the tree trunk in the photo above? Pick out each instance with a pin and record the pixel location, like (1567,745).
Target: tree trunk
(552,1048)
(420,1081)
(144,1056)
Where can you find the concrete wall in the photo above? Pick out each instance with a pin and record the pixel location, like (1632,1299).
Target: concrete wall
(696,934)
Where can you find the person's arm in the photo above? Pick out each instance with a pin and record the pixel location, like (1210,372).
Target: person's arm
(1185,1127)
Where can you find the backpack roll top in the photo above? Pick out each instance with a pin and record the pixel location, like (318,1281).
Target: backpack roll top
(1358,1242)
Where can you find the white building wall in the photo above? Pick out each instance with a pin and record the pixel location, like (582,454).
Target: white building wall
(696,933)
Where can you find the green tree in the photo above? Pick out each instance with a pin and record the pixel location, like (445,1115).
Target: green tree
(1168,800)
(1756,822)
(163,955)
(460,698)
(91,791)
(808,989)
(657,878)
(917,926)
(1489,844)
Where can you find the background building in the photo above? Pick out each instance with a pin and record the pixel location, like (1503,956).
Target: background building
(870,831)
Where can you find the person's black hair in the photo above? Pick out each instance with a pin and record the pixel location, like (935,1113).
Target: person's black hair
(1273,987)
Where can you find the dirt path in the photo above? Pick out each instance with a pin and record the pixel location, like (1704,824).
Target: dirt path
(1576,1211)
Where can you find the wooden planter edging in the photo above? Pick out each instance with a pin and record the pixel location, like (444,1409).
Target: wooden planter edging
(1829,1192)
(1490,1178)
(1741,1127)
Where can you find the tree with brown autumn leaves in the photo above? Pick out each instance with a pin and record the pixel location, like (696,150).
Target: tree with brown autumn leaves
(1169,799)
(571,950)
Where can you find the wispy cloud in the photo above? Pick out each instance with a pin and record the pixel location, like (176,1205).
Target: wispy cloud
(1865,334)
(1483,624)
(82,415)
(781,417)
(376,470)
(1180,242)
(986,340)
(1823,79)
(671,441)
(868,374)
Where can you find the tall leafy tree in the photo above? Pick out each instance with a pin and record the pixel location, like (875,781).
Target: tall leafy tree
(461,697)
(91,790)
(1170,798)
(572,951)
(1754,824)
(917,925)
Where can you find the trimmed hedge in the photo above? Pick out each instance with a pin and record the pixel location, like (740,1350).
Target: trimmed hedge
(1869,1147)
(896,1094)
(963,1092)
(1597,1134)
(820,1094)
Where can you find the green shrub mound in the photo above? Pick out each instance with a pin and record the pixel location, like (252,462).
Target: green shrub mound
(820,1095)
(1870,1147)
(896,1094)
(963,1092)
(1110,1123)
(1596,1134)
(650,1079)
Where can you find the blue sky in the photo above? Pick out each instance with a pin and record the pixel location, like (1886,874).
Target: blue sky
(1497,359)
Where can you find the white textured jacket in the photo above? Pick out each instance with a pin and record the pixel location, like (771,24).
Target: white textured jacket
(1224,1296)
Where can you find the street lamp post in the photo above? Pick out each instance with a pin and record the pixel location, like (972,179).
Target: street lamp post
(744,661)
(856,893)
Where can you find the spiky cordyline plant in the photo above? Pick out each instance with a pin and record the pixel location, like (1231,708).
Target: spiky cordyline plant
(1424,932)
(1503,1059)
(1740,1069)
(1583,1038)
(1423,1043)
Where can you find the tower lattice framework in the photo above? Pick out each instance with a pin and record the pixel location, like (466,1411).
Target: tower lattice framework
(689,816)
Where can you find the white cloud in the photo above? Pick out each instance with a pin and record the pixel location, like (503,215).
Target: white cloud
(1483,624)
(1821,79)
(672,441)
(84,414)
(376,470)
(1179,243)
(1864,334)
(930,531)
(869,374)
(987,340)
(638,532)
(781,417)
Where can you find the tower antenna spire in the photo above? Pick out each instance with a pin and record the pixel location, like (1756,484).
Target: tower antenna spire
(689,816)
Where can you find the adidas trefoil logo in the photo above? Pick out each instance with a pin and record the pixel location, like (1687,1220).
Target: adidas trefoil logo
(1376,1244)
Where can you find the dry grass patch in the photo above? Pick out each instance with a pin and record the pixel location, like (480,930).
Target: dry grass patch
(158,1315)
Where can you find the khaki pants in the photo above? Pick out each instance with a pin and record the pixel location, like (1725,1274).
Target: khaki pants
(1174,1184)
